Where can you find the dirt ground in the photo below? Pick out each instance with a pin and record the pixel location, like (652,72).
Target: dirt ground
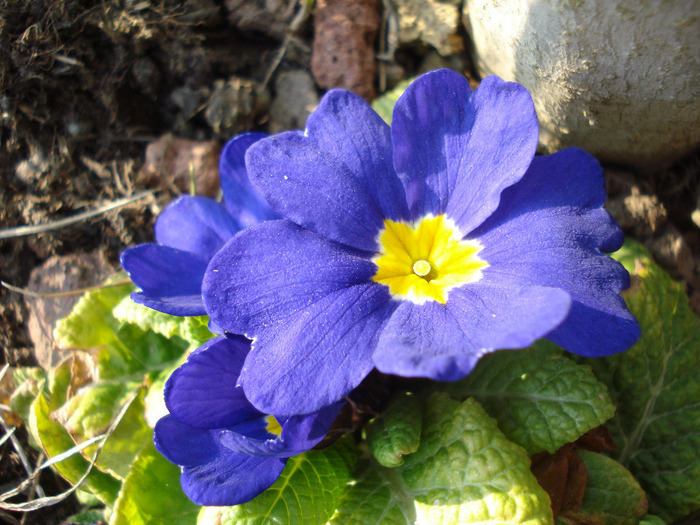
(86,87)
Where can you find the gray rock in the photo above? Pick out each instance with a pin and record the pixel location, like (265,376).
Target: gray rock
(618,79)
(295,98)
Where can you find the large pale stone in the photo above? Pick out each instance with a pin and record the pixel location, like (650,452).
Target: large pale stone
(620,79)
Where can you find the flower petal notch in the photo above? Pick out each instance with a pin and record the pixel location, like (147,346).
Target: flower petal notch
(189,232)
(229,451)
(465,244)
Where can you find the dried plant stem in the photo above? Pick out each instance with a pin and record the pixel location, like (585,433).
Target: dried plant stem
(30,293)
(21,231)
(52,500)
(20,452)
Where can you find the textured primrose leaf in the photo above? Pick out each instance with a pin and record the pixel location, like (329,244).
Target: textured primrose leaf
(540,398)
(192,329)
(656,387)
(91,323)
(396,432)
(650,519)
(135,352)
(308,492)
(465,471)
(384,105)
(151,494)
(88,517)
(54,440)
(29,383)
(612,497)
(90,412)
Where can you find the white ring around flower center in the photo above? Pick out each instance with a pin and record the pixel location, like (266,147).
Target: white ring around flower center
(421,268)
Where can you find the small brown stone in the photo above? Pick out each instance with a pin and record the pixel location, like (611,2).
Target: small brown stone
(343,48)
(234,104)
(639,213)
(171,160)
(672,251)
(433,22)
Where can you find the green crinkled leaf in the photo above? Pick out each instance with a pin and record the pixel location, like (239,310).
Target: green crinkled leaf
(384,105)
(30,382)
(24,373)
(656,387)
(650,519)
(91,323)
(397,431)
(125,442)
(612,497)
(192,329)
(308,492)
(88,517)
(151,494)
(54,439)
(540,398)
(465,471)
(91,411)
(135,352)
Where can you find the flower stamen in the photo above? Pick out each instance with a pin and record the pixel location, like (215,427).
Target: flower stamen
(421,268)
(423,261)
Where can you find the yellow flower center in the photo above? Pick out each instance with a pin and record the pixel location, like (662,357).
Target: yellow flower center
(273,426)
(424,261)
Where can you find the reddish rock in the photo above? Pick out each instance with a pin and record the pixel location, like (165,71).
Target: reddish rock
(59,274)
(343,48)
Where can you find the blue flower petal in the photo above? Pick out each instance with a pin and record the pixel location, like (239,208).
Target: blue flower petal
(456,152)
(202,393)
(550,230)
(170,279)
(336,178)
(310,306)
(182,444)
(444,342)
(230,479)
(242,200)
(318,356)
(273,270)
(299,434)
(195,224)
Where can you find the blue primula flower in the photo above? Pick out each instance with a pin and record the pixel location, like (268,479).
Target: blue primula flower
(190,231)
(416,249)
(229,451)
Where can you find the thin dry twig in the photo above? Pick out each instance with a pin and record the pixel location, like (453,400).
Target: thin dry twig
(39,503)
(21,231)
(294,26)
(30,293)
(7,435)
(22,455)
